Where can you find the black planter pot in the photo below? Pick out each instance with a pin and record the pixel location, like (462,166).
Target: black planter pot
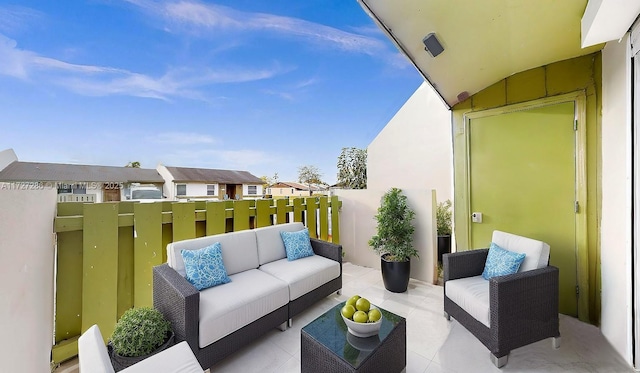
(395,275)
(121,362)
(444,246)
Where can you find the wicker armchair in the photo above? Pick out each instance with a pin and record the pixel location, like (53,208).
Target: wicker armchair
(523,307)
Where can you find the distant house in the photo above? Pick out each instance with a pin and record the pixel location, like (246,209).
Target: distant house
(209,184)
(74,182)
(292,189)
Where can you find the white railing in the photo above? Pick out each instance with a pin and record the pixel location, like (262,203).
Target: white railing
(68,197)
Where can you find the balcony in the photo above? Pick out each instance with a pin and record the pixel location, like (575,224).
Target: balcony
(433,343)
(98,296)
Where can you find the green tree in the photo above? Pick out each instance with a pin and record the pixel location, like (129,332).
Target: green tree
(309,175)
(134,164)
(266,181)
(352,168)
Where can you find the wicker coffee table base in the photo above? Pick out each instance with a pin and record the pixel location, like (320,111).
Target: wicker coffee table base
(390,356)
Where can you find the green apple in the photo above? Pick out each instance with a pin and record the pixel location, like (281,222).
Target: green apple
(363,304)
(348,311)
(374,315)
(352,301)
(360,316)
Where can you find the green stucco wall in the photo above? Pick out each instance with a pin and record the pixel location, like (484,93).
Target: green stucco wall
(577,74)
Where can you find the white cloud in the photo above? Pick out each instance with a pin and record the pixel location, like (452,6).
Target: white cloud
(201,17)
(293,90)
(182,138)
(15,18)
(307,82)
(14,62)
(242,159)
(102,81)
(285,95)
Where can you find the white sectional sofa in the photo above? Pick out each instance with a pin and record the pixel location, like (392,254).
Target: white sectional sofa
(266,289)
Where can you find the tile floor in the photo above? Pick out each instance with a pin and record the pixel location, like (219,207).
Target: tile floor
(434,344)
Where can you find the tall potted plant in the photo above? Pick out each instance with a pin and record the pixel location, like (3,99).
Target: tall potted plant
(443,226)
(394,240)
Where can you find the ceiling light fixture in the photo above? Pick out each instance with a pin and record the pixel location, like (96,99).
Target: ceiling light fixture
(432,45)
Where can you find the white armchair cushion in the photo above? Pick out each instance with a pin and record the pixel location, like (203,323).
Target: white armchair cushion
(537,252)
(472,295)
(94,358)
(92,352)
(176,359)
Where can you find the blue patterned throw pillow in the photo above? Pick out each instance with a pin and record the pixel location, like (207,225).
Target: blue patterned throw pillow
(501,262)
(297,244)
(205,267)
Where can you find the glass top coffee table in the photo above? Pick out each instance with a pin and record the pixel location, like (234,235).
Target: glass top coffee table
(328,347)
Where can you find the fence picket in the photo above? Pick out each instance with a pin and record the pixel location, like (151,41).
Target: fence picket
(148,250)
(184,218)
(241,215)
(324,218)
(100,267)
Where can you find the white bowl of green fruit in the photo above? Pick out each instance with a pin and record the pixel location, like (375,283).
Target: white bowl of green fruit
(361,317)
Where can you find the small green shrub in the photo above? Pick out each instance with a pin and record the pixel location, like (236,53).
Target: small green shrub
(139,332)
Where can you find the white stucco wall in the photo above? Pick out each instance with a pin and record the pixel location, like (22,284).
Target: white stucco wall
(197,189)
(414,150)
(615,223)
(7,156)
(358,225)
(169,188)
(26,278)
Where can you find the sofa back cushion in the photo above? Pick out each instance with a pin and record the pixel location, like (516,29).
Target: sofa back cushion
(537,252)
(270,244)
(239,251)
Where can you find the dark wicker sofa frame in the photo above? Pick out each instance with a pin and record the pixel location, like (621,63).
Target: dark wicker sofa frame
(523,306)
(179,302)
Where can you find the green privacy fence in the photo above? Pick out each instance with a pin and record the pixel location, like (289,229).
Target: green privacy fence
(106,251)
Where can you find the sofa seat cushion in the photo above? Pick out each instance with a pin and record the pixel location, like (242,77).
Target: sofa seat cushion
(249,296)
(472,295)
(303,275)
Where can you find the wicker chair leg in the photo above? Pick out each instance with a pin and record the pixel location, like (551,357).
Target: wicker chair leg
(447,316)
(283,326)
(339,292)
(555,341)
(499,361)
(290,323)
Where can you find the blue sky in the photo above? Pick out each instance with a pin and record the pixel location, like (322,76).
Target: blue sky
(263,86)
